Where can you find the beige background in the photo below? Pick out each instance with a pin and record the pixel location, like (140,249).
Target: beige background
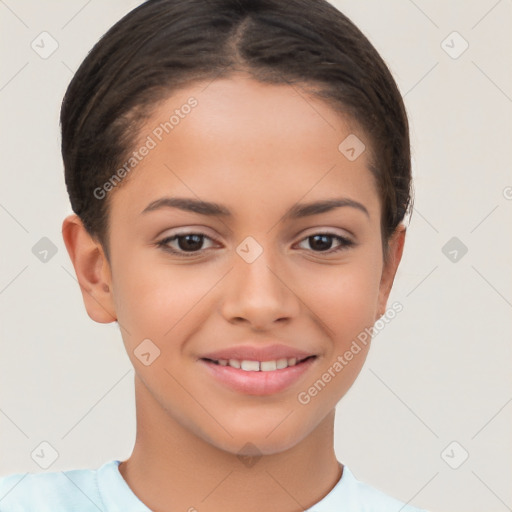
(438,373)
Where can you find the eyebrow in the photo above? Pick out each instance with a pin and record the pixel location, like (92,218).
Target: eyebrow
(214,209)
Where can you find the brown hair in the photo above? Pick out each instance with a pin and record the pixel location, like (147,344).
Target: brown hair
(165,45)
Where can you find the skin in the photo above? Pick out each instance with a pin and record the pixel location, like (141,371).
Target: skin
(257,149)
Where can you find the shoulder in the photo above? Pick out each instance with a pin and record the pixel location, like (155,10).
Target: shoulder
(351,494)
(57,491)
(376,500)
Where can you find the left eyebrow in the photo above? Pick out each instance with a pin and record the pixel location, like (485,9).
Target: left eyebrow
(215,209)
(306,209)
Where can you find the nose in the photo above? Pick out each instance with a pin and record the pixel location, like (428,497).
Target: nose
(260,294)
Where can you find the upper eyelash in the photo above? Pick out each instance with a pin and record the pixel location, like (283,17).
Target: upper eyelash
(345,243)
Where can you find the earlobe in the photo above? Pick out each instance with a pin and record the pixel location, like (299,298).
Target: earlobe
(396,247)
(92,270)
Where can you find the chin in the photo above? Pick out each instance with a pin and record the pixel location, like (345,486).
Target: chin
(257,444)
(256,438)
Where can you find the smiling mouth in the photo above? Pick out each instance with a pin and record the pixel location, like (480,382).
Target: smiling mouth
(259,366)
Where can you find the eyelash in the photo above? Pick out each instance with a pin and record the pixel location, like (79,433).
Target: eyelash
(345,243)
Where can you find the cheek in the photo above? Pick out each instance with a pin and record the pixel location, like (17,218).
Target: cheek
(344,303)
(154,298)
(344,297)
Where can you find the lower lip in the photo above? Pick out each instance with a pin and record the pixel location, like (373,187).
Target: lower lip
(258,383)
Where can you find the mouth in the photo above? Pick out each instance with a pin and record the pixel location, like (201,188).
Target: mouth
(259,378)
(248,365)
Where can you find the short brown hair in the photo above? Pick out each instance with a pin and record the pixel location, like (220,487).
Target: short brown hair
(163,45)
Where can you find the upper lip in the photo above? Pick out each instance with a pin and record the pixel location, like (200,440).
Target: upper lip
(257,353)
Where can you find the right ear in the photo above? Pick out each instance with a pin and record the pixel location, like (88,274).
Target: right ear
(92,270)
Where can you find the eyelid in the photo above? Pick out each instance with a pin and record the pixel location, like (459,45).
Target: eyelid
(348,235)
(186,230)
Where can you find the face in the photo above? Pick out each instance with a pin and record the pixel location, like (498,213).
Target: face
(255,279)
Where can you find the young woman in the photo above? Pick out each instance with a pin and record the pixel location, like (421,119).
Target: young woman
(239,172)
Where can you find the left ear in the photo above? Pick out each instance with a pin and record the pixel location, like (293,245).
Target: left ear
(395,248)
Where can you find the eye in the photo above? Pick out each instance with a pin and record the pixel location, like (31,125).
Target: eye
(191,243)
(322,242)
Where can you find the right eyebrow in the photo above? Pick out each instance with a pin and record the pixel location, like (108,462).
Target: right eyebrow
(188,204)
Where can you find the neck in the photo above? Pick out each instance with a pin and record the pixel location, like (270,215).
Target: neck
(172,469)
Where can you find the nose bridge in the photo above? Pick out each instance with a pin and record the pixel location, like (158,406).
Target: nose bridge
(258,288)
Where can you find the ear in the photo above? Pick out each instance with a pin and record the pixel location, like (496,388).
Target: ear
(396,247)
(92,270)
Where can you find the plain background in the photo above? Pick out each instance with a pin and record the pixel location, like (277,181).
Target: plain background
(438,373)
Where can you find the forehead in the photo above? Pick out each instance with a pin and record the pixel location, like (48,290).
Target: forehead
(245,141)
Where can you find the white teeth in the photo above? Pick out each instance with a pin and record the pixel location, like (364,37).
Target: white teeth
(250,366)
(268,366)
(256,366)
(282,363)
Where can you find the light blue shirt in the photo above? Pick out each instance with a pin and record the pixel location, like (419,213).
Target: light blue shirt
(105,490)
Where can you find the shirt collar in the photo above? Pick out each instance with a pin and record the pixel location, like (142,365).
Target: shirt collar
(117,496)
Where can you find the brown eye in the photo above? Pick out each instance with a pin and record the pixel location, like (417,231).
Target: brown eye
(191,243)
(322,242)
